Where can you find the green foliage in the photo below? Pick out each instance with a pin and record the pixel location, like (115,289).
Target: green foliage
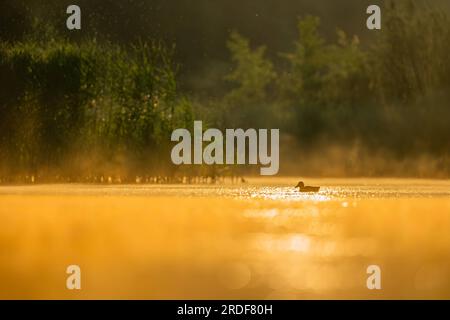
(304,78)
(81,107)
(411,55)
(251,77)
(252,73)
(322,83)
(389,96)
(322,74)
(62,100)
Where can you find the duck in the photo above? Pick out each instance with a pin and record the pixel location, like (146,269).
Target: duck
(302,188)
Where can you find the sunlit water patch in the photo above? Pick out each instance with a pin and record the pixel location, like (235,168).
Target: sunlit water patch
(263,239)
(278,190)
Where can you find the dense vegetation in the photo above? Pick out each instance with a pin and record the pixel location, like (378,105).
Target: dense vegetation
(89,109)
(78,110)
(377,109)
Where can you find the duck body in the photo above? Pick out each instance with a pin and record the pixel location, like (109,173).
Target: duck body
(302,188)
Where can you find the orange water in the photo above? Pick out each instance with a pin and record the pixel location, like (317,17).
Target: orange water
(257,240)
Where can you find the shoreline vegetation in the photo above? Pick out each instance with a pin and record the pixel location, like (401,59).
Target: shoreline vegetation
(116,179)
(97,112)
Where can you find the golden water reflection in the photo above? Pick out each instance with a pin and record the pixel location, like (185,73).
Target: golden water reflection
(254,241)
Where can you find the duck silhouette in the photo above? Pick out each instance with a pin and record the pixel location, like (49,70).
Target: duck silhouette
(302,188)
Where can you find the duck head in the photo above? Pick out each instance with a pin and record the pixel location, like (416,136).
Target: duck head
(300,184)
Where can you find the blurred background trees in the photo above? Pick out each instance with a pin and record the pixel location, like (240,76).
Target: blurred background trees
(248,101)
(90,104)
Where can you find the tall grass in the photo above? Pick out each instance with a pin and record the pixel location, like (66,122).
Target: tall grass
(76,109)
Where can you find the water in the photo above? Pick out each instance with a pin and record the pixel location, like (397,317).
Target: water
(257,240)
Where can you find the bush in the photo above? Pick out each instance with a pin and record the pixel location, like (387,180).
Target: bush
(63,101)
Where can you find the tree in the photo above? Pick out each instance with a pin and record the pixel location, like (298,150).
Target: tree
(251,78)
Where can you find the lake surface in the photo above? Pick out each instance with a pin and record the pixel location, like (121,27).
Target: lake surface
(259,240)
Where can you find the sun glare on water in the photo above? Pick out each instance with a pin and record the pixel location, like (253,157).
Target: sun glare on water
(263,239)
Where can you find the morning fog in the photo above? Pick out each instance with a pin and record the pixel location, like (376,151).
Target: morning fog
(239,147)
